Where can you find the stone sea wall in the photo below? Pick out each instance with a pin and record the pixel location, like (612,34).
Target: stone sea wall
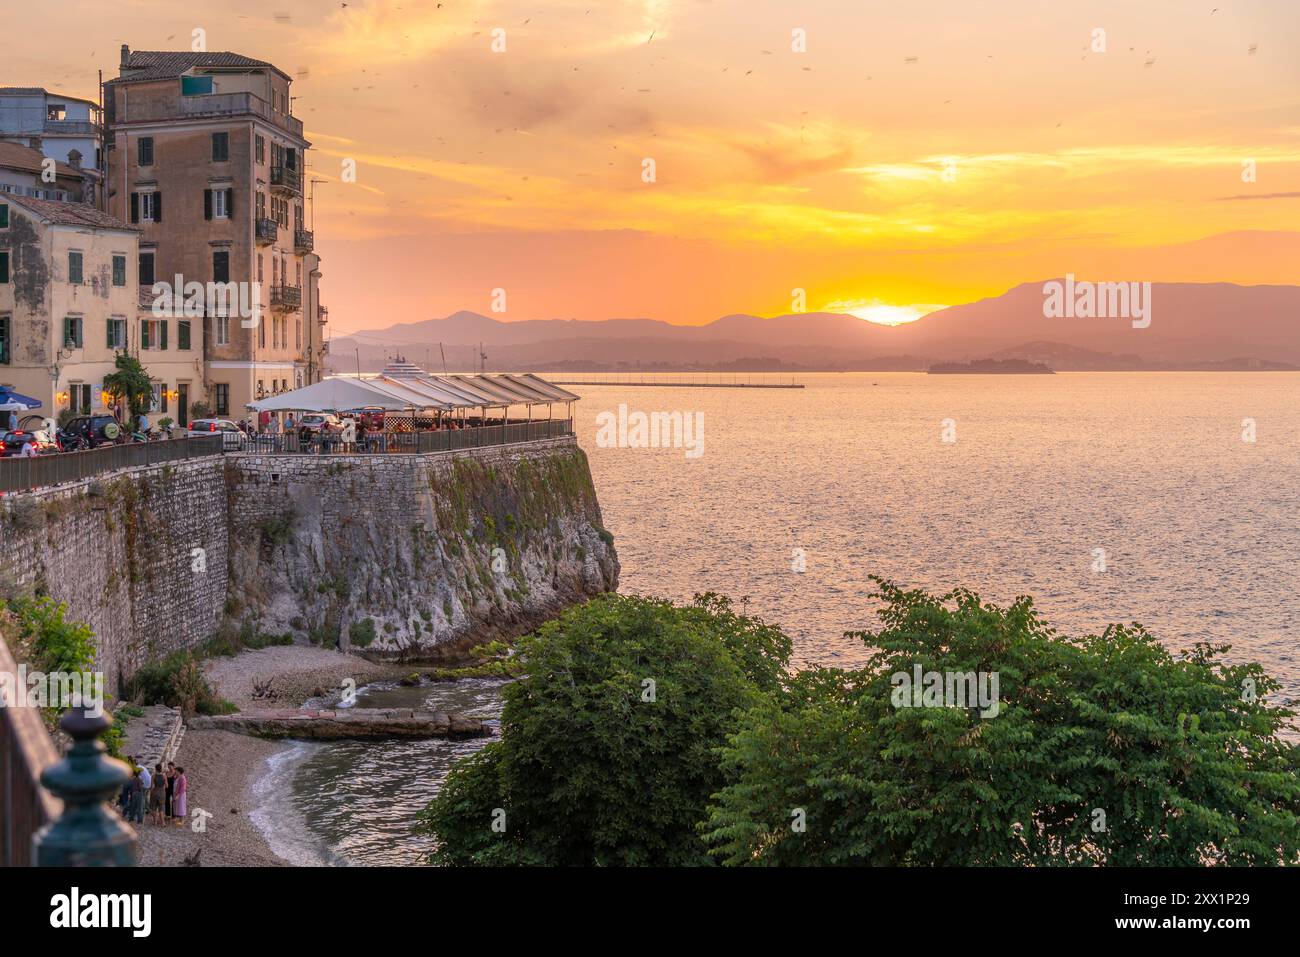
(139,555)
(391,556)
(407,556)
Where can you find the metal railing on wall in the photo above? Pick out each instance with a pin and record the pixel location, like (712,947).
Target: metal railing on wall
(441,440)
(19,473)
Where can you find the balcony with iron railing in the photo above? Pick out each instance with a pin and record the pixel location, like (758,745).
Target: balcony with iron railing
(286,178)
(304,241)
(286,298)
(322,314)
(268,230)
(147,110)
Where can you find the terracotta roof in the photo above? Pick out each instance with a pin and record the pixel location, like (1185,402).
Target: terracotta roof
(161,64)
(24,158)
(68,214)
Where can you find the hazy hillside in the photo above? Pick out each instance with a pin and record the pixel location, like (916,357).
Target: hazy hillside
(1192,326)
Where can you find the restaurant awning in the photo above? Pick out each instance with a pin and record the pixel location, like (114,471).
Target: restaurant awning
(445,392)
(337,394)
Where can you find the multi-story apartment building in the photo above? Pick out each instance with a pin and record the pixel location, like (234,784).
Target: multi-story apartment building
(69,303)
(65,128)
(205,156)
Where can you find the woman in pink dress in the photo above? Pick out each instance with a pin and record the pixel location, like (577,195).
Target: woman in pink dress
(178,797)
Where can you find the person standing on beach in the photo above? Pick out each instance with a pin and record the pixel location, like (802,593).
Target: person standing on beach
(157,794)
(178,798)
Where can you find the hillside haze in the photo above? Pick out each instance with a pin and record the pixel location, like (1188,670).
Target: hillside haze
(1193,325)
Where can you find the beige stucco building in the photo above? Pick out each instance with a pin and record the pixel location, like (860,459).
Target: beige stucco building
(70,302)
(206,158)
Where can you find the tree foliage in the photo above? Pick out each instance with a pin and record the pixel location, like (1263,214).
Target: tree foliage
(610,744)
(130,380)
(1106,749)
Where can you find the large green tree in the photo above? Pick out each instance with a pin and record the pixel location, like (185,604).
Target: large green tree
(129,379)
(1105,749)
(610,744)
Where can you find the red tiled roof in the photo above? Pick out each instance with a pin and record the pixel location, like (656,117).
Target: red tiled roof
(27,160)
(161,64)
(67,214)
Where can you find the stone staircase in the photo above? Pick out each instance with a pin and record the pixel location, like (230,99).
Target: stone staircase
(154,736)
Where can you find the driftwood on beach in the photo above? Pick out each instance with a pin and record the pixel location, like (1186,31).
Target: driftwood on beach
(350,723)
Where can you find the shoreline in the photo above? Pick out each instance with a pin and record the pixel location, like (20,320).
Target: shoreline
(223,769)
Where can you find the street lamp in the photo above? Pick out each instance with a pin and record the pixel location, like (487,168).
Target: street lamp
(59,355)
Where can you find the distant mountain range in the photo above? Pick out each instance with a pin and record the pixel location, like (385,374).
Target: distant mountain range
(1201,326)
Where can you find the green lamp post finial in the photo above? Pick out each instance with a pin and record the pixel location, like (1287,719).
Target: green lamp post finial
(88,833)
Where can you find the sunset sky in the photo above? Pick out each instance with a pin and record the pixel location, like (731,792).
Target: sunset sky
(775,169)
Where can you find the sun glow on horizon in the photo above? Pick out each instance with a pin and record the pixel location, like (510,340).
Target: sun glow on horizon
(883,313)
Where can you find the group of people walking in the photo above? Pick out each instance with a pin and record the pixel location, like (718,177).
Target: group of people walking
(159,794)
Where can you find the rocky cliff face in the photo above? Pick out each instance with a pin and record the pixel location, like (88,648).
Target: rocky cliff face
(390,555)
(414,556)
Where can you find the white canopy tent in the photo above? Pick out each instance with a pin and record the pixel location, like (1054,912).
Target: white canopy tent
(418,392)
(338,394)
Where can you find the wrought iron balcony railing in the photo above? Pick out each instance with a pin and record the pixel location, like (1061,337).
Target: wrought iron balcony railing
(268,230)
(282,177)
(286,298)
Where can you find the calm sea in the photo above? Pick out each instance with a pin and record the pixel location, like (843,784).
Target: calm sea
(1198,529)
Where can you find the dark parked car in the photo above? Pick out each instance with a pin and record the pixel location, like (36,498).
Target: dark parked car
(95,429)
(13,442)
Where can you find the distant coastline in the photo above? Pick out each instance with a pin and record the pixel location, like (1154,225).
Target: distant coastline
(991,367)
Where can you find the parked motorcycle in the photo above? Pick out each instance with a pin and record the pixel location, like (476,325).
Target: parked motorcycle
(70,442)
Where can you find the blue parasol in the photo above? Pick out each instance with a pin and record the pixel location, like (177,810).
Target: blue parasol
(11,401)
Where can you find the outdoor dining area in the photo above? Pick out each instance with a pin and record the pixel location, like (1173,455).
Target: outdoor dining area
(409,410)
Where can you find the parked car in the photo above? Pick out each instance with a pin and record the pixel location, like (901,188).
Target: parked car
(234,438)
(95,429)
(315,421)
(13,442)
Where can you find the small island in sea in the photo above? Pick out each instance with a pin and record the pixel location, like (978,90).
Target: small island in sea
(996,366)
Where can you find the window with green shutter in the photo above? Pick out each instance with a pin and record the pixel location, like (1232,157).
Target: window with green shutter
(74,268)
(117,333)
(119,270)
(144,333)
(4,267)
(4,215)
(5,327)
(183,334)
(162,333)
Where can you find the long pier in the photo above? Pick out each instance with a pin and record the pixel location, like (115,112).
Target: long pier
(681,383)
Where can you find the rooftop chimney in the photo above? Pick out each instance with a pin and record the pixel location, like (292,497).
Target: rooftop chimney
(126,54)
